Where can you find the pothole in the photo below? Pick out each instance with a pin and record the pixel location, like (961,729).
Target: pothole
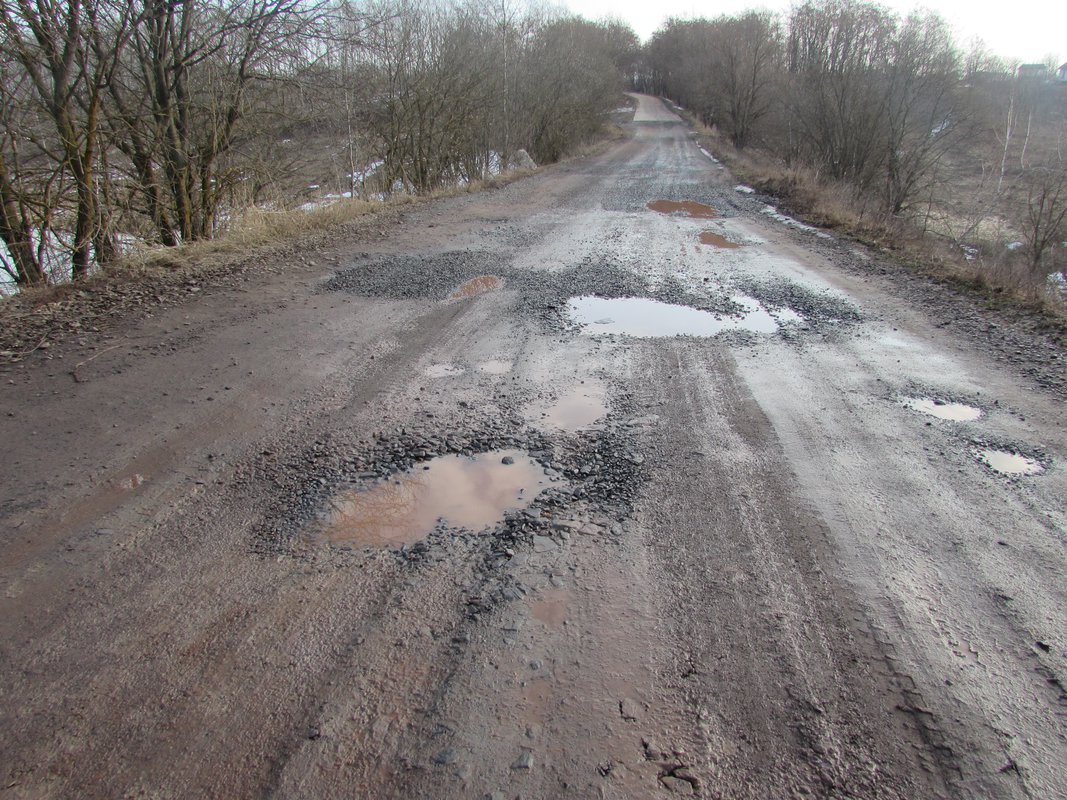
(688,208)
(717,240)
(466,492)
(477,286)
(443,371)
(643,318)
(580,407)
(1009,463)
(954,412)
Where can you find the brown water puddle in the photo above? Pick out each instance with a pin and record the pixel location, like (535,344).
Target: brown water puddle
(581,406)
(717,240)
(477,286)
(466,492)
(1008,463)
(689,208)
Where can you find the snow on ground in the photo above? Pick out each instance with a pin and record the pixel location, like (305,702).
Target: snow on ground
(774,214)
(714,160)
(744,189)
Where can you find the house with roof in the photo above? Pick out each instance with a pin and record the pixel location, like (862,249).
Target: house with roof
(1061,73)
(1032,71)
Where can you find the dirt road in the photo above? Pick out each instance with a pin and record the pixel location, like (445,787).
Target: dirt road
(750,561)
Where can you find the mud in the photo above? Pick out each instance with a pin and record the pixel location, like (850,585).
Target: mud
(714,239)
(477,286)
(685,208)
(573,410)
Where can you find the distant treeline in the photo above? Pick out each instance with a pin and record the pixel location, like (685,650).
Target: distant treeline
(889,105)
(155,120)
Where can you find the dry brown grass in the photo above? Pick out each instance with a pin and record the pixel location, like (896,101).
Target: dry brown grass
(1000,277)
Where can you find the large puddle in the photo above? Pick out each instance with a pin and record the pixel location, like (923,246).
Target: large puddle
(477,286)
(1008,463)
(717,240)
(466,492)
(954,412)
(644,318)
(688,208)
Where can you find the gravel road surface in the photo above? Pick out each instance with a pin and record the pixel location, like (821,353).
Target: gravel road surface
(543,492)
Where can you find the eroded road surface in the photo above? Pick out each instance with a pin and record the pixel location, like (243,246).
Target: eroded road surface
(615,482)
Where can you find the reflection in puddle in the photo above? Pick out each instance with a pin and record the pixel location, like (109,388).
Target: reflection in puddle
(643,318)
(717,240)
(689,208)
(443,371)
(581,406)
(467,492)
(495,367)
(477,286)
(551,609)
(955,412)
(1010,463)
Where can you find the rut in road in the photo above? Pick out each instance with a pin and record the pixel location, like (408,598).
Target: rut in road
(743,562)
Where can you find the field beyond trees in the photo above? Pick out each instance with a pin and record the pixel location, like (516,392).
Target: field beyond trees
(886,126)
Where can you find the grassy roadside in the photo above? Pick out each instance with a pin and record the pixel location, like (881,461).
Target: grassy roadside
(836,207)
(35,319)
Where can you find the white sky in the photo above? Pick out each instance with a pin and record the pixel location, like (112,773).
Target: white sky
(1024,29)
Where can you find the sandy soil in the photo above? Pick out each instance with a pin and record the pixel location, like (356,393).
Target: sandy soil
(759,574)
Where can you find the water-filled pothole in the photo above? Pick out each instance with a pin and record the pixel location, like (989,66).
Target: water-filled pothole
(580,407)
(689,208)
(717,240)
(954,412)
(644,318)
(1009,463)
(467,492)
(477,286)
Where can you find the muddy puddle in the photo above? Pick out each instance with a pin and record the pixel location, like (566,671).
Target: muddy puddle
(467,492)
(643,318)
(477,286)
(714,239)
(1008,463)
(580,407)
(552,608)
(954,412)
(688,208)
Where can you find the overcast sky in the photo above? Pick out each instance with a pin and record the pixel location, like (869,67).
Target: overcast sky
(1027,30)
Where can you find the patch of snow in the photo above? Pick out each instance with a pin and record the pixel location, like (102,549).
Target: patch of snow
(714,160)
(969,253)
(744,189)
(313,186)
(777,216)
(1013,246)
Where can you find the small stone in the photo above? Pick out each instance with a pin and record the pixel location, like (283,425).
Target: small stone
(544,544)
(507,460)
(445,757)
(525,761)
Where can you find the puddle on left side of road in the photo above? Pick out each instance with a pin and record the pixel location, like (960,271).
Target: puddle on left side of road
(953,412)
(1009,463)
(467,492)
(643,318)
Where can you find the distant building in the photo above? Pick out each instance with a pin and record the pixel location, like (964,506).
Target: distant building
(1032,71)
(1061,73)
